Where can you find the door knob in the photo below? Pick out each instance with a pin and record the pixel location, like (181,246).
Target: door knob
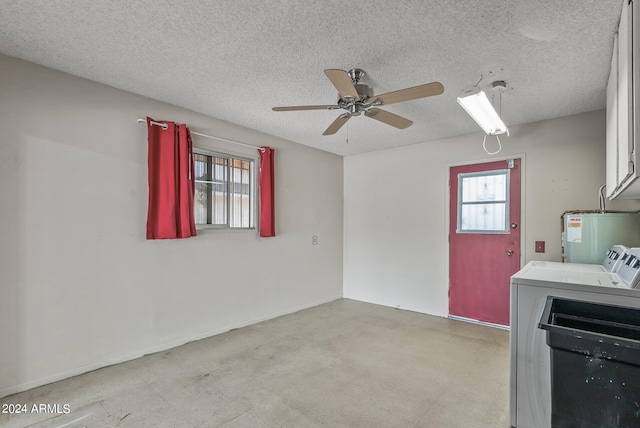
(509,252)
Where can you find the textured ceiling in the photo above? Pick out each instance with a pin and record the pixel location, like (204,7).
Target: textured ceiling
(235,59)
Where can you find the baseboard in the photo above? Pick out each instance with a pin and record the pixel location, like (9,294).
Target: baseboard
(472,321)
(402,307)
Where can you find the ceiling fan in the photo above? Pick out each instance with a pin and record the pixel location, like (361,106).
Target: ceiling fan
(357,98)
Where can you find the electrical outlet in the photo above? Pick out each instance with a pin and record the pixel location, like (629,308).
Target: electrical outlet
(539,246)
(314,240)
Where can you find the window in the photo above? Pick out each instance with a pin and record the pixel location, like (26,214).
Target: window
(224,191)
(483,202)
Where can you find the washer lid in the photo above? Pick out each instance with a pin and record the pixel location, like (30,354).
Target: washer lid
(581,267)
(602,279)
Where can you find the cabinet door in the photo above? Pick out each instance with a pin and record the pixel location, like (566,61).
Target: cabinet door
(625,99)
(635,33)
(612,122)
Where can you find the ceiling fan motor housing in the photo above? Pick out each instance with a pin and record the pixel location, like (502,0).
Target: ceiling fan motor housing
(356,107)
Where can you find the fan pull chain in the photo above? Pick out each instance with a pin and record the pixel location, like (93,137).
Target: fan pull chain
(347,141)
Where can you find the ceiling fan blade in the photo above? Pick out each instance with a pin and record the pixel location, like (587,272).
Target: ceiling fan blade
(337,124)
(343,83)
(388,118)
(373,101)
(295,108)
(427,90)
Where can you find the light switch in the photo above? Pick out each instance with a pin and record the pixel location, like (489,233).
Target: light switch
(539,246)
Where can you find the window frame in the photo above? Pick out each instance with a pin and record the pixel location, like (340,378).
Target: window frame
(507,173)
(253,189)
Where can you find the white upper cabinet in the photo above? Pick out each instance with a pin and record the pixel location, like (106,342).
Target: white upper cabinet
(623,107)
(612,122)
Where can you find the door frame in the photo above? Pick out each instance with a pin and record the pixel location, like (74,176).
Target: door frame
(521,250)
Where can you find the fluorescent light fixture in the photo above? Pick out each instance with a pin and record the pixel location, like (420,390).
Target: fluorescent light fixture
(476,103)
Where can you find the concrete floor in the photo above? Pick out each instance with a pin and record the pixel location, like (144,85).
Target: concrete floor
(341,364)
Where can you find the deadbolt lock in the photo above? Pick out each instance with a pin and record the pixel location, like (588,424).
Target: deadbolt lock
(509,252)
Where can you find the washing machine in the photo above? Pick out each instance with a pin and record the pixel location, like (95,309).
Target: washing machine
(530,383)
(610,263)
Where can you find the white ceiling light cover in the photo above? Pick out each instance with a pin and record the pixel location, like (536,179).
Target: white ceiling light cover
(478,106)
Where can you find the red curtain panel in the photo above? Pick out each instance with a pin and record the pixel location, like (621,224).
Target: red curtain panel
(267,200)
(171,182)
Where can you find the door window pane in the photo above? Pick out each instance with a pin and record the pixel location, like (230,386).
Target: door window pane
(480,188)
(483,202)
(483,217)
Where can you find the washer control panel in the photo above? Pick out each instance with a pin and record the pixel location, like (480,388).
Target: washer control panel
(629,270)
(614,257)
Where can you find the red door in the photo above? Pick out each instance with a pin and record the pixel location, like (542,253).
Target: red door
(484,239)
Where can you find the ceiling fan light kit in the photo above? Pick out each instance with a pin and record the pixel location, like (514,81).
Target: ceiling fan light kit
(478,106)
(357,98)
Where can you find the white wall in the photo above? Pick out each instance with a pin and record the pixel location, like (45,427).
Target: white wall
(396,205)
(80,287)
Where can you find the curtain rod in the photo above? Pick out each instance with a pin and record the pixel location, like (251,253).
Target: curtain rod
(164,126)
